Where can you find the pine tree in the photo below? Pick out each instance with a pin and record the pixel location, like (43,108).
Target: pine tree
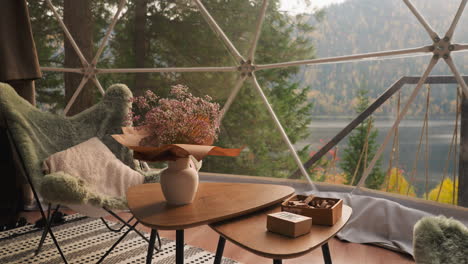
(354,154)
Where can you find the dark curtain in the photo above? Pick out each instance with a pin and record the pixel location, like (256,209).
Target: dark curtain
(18,56)
(19,66)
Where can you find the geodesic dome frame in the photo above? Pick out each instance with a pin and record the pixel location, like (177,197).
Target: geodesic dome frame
(440,47)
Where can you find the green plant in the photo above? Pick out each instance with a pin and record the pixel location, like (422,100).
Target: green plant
(357,155)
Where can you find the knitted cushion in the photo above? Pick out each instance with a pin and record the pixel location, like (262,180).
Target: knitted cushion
(101,173)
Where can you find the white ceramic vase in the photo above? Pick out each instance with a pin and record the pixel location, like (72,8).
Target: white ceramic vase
(179,181)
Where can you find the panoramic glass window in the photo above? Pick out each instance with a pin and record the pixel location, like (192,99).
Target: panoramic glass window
(346,92)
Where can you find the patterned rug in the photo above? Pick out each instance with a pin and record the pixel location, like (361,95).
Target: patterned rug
(84,240)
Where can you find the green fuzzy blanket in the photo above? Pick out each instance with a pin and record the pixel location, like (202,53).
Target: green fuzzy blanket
(39,134)
(439,240)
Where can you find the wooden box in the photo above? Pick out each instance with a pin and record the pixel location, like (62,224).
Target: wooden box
(320,216)
(289,224)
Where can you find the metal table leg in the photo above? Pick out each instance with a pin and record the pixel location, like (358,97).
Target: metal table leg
(149,256)
(180,246)
(326,253)
(277,261)
(220,250)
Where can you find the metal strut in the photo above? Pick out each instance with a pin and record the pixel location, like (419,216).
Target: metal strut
(116,230)
(136,230)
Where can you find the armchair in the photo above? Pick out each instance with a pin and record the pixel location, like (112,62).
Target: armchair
(35,135)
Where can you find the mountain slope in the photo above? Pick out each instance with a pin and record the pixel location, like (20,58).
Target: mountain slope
(360,26)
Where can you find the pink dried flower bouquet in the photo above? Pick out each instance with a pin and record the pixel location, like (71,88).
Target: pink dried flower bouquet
(180,119)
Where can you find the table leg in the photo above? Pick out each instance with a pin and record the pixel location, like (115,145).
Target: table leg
(219,250)
(180,246)
(326,253)
(277,261)
(149,255)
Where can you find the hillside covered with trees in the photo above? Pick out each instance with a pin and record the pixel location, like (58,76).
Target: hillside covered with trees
(360,26)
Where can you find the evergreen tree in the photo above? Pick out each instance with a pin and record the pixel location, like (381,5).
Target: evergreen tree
(78,17)
(48,38)
(50,42)
(176,35)
(354,154)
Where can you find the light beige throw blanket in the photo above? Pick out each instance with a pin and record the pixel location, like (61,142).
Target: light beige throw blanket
(97,166)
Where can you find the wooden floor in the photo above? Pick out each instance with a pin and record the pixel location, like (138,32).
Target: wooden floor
(342,252)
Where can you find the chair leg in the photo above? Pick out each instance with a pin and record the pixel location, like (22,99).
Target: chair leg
(49,230)
(46,227)
(120,228)
(116,243)
(136,231)
(57,246)
(219,250)
(36,196)
(45,230)
(326,253)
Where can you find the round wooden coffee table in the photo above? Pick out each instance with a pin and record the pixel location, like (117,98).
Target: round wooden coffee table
(250,233)
(214,202)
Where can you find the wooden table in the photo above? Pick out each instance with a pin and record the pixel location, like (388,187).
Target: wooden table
(214,202)
(250,233)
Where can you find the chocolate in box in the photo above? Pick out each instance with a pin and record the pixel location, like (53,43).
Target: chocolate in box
(320,216)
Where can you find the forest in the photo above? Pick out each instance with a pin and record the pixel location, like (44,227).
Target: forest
(174,34)
(360,26)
